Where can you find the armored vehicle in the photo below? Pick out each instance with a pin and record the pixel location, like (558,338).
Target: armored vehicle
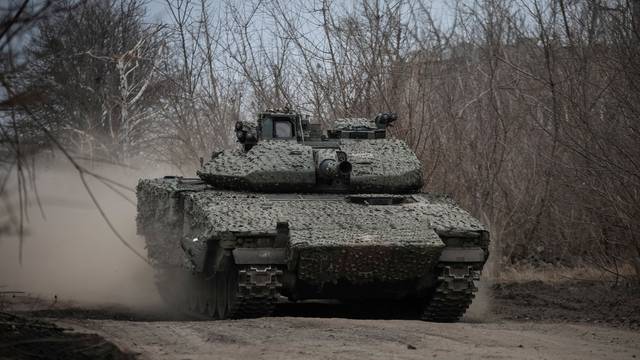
(300,213)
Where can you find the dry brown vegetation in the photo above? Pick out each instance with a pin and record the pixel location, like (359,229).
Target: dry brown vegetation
(526,112)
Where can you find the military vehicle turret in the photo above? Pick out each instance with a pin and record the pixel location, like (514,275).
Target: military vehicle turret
(300,213)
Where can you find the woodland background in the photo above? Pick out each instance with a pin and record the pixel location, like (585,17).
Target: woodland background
(527,112)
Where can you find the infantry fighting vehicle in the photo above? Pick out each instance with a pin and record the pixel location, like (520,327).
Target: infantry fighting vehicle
(299,213)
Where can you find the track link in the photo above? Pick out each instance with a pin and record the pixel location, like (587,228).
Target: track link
(246,292)
(453,295)
(257,292)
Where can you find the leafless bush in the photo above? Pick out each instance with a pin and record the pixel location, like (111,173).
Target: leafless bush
(525,111)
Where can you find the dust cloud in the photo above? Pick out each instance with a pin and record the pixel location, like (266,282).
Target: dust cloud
(480,308)
(70,253)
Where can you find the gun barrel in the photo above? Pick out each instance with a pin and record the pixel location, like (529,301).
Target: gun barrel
(331,168)
(332,165)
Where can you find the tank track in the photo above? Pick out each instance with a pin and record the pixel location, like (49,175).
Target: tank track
(257,292)
(453,295)
(250,291)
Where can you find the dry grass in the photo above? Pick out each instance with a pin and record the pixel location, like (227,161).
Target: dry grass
(558,274)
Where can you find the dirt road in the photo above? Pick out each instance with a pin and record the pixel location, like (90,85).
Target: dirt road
(326,338)
(514,321)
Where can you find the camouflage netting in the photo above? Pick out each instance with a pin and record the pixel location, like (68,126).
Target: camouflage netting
(331,237)
(159,219)
(354,124)
(275,164)
(388,164)
(382,165)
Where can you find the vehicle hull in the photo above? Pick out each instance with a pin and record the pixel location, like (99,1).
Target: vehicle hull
(327,245)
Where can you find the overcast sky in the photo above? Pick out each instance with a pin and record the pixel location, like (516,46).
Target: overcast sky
(442,9)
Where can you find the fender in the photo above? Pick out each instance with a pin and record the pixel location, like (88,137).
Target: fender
(260,256)
(465,255)
(240,247)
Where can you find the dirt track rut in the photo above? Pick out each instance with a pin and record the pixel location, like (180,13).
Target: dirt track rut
(322,338)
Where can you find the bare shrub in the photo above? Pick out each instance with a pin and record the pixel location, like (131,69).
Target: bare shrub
(526,112)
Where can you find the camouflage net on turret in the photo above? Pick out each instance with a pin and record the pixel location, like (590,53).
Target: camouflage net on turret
(383,165)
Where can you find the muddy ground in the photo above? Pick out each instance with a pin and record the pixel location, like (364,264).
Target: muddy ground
(29,338)
(587,302)
(534,320)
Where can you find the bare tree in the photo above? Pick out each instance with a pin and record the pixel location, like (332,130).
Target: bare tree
(96,68)
(525,111)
